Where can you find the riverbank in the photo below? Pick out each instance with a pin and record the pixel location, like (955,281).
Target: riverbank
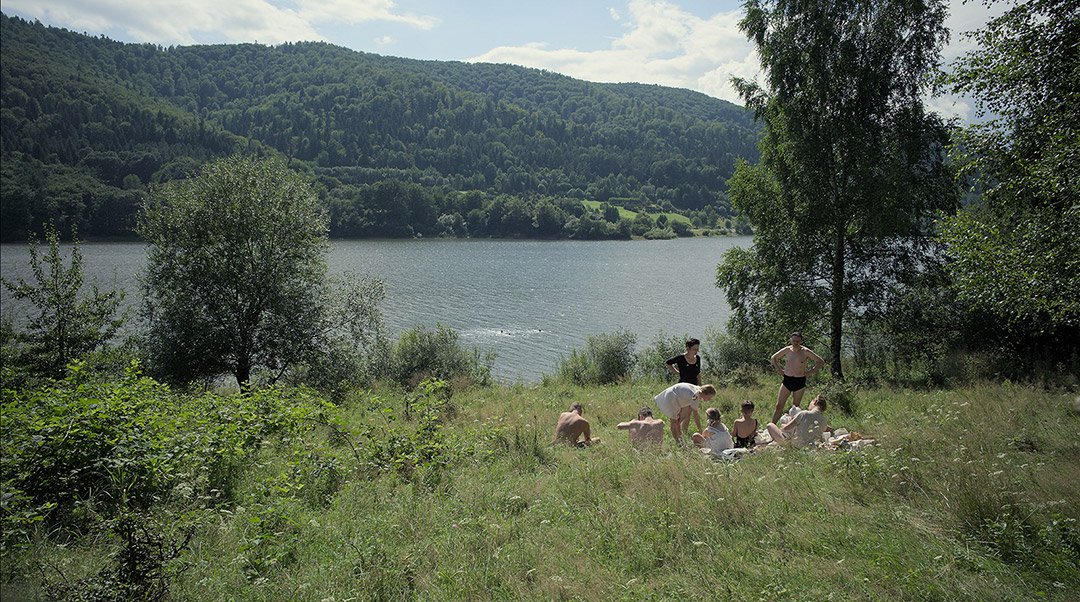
(971,494)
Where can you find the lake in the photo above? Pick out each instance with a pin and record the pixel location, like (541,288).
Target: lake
(529,301)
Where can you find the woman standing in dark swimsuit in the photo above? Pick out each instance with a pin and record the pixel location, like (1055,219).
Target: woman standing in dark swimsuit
(687,365)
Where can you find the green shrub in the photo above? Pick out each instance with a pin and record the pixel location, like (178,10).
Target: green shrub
(81,451)
(660,234)
(840,395)
(728,357)
(420,354)
(411,444)
(77,448)
(607,358)
(650,360)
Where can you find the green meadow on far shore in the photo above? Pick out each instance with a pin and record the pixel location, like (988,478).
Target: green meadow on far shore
(457,493)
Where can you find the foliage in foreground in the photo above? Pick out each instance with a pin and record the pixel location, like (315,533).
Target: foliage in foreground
(69,322)
(456,493)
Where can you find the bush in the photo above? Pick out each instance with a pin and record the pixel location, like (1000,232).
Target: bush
(841,396)
(660,234)
(607,358)
(650,360)
(81,448)
(681,228)
(727,356)
(420,354)
(82,451)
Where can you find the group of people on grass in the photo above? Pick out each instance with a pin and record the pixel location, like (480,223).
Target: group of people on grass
(680,402)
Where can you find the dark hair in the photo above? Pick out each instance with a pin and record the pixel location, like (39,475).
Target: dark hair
(577,406)
(712,415)
(691,342)
(747,404)
(645,411)
(820,401)
(797,334)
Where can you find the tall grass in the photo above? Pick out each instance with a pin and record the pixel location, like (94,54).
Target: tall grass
(971,494)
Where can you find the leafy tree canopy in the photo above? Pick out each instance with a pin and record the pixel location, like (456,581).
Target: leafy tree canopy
(1016,254)
(852,167)
(235,270)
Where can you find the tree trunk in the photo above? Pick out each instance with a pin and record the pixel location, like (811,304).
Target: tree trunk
(837,310)
(243,372)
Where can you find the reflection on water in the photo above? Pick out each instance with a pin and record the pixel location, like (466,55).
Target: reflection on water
(529,301)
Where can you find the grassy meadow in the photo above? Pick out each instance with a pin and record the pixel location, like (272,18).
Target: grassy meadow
(458,494)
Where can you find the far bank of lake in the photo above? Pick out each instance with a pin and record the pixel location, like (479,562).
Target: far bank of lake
(529,301)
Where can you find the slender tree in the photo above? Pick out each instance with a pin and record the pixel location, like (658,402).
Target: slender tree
(68,322)
(235,270)
(852,167)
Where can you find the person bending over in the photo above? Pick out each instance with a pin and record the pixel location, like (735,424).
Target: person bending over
(680,401)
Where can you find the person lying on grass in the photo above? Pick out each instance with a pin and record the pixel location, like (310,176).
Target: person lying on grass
(806,428)
(646,432)
(571,427)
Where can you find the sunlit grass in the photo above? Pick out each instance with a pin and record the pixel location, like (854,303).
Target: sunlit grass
(970,495)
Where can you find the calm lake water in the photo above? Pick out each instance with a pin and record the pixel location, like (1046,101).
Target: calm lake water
(529,301)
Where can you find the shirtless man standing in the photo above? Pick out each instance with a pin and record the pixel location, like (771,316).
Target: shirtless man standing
(794,372)
(572,426)
(646,432)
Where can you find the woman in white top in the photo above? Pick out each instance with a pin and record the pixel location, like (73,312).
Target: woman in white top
(680,401)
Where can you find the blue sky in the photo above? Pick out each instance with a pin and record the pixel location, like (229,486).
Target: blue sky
(691,44)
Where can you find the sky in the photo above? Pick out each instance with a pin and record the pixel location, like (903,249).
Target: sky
(692,44)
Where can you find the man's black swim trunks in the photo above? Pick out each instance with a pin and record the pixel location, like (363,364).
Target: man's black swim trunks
(794,383)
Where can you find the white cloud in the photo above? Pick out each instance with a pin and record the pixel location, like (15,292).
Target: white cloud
(359,11)
(667,45)
(949,107)
(663,45)
(190,21)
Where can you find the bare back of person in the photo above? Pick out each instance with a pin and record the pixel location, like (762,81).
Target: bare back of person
(647,433)
(744,427)
(571,427)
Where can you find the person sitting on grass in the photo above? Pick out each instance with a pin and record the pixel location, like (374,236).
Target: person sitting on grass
(744,429)
(646,432)
(803,430)
(680,401)
(715,437)
(571,427)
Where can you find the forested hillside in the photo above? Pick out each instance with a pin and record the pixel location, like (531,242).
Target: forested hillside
(397,147)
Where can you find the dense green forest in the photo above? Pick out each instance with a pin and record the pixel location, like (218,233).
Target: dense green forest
(396,147)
